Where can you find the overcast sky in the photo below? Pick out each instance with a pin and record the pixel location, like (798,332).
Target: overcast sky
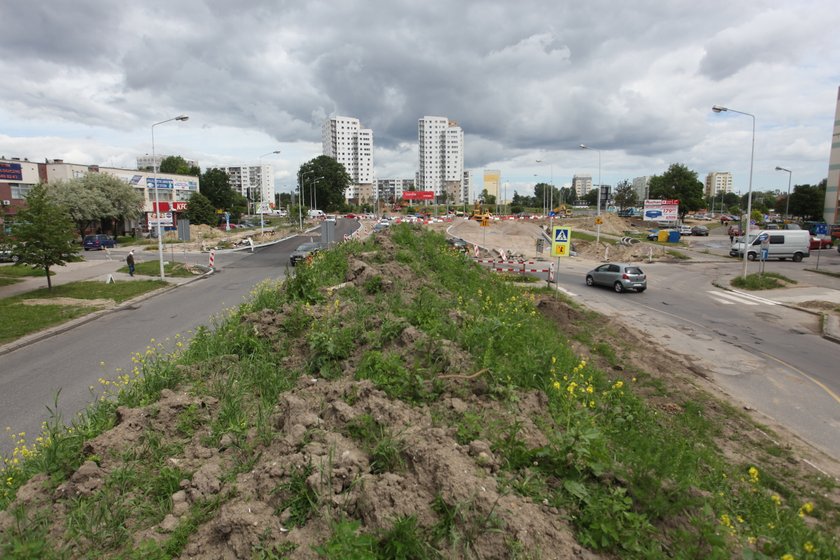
(527,80)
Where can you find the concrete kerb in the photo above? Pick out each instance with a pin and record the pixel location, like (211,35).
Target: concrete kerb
(72,324)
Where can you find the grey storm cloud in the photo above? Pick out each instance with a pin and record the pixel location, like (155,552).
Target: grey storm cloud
(532,75)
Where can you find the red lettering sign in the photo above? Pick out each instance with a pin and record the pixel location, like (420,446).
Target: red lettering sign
(418,195)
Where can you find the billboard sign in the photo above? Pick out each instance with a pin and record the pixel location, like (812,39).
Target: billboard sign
(10,172)
(161,183)
(418,195)
(661,210)
(165,219)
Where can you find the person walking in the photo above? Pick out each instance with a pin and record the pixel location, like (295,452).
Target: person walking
(129,260)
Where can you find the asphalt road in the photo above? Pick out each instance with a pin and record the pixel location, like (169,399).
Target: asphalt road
(69,364)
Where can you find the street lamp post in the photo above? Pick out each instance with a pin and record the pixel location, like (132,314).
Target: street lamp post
(262,214)
(550,200)
(155,185)
(787,200)
(314,194)
(719,109)
(598,211)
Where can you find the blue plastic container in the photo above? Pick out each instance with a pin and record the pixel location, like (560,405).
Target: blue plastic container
(673,236)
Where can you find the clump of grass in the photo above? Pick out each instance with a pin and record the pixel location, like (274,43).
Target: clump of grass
(384,449)
(765,281)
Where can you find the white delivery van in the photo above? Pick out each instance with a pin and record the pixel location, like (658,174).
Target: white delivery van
(316,213)
(783,244)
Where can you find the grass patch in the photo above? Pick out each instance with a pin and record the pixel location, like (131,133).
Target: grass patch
(677,255)
(766,281)
(22,270)
(152,268)
(20,319)
(4,281)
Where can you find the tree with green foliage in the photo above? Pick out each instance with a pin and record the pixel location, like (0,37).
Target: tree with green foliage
(678,183)
(807,201)
(178,166)
(328,180)
(215,185)
(97,199)
(486,198)
(625,196)
(591,198)
(200,210)
(43,234)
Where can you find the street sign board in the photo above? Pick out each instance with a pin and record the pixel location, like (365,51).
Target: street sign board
(763,237)
(821,229)
(560,240)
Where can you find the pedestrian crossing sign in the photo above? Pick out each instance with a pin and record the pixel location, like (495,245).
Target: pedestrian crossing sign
(561,237)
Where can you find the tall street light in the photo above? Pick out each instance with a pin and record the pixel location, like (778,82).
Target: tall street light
(155,184)
(262,214)
(719,109)
(787,201)
(598,211)
(314,193)
(551,191)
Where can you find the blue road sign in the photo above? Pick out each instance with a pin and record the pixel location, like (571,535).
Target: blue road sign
(821,229)
(763,237)
(561,235)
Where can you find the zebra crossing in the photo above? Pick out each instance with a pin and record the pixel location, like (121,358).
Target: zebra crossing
(735,297)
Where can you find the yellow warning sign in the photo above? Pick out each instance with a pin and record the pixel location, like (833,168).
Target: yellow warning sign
(599,220)
(560,239)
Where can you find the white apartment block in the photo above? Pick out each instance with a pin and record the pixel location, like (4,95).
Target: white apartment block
(391,190)
(582,184)
(641,186)
(146,162)
(718,182)
(344,140)
(441,157)
(466,188)
(254,182)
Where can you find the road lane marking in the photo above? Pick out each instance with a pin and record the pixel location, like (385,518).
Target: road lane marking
(735,299)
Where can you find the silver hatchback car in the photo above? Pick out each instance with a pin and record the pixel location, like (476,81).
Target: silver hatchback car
(619,276)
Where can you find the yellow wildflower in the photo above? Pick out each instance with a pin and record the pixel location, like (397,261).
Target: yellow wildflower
(776,499)
(753,474)
(724,520)
(788,557)
(809,547)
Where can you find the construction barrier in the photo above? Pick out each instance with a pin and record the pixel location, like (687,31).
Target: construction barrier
(212,258)
(515,266)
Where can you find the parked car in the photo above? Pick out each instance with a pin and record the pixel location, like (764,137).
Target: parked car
(98,242)
(457,243)
(6,255)
(685,230)
(620,276)
(305,251)
(700,230)
(380,227)
(820,243)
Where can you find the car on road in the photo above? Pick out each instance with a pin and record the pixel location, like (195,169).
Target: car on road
(305,251)
(98,242)
(619,276)
(700,230)
(820,243)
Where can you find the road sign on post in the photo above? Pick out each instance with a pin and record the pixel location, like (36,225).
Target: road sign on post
(560,240)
